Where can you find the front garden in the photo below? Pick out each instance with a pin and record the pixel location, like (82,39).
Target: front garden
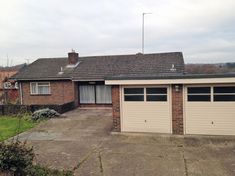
(12,125)
(17,158)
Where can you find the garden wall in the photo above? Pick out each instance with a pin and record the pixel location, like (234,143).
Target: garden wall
(17,109)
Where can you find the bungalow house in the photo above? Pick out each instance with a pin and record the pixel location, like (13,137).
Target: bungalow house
(147,92)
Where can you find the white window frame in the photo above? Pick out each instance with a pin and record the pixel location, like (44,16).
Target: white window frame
(31,90)
(137,94)
(214,94)
(199,86)
(145,93)
(164,94)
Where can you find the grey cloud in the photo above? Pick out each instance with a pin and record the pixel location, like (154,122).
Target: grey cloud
(203,30)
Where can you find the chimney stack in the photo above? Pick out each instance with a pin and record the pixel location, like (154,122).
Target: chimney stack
(72,58)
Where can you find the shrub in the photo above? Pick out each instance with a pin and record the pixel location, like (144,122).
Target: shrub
(15,158)
(44,114)
(38,170)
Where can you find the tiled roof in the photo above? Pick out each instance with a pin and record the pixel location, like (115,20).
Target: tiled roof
(100,67)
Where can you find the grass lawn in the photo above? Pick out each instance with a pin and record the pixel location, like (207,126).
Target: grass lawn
(11,126)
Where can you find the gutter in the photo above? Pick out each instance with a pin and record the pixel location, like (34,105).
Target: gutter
(38,79)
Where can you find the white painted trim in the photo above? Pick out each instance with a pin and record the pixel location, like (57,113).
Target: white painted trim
(184,108)
(21,93)
(121,108)
(170,81)
(170,104)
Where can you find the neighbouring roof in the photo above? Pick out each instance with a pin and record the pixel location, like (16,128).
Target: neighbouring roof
(12,68)
(101,67)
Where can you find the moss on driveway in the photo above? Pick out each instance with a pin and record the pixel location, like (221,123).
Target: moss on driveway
(11,126)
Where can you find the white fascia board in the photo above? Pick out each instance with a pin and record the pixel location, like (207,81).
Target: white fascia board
(171,81)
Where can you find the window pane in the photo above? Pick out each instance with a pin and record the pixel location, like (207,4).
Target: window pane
(199,98)
(103,94)
(134,98)
(87,94)
(33,88)
(43,90)
(156,97)
(224,89)
(134,90)
(224,97)
(156,90)
(198,90)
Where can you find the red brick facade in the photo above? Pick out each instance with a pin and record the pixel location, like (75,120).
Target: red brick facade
(61,92)
(177,110)
(116,108)
(67,91)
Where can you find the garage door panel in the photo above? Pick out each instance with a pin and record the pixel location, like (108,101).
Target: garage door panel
(215,118)
(146,117)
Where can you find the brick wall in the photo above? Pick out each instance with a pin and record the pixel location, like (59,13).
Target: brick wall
(177,110)
(116,108)
(61,92)
(76,94)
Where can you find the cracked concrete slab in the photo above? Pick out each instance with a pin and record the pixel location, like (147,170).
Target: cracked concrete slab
(82,142)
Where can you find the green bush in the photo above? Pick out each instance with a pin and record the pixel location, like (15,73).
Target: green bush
(15,158)
(43,171)
(44,114)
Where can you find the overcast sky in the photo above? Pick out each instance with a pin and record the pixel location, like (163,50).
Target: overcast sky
(204,30)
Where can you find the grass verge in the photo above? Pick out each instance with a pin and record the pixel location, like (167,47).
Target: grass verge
(11,126)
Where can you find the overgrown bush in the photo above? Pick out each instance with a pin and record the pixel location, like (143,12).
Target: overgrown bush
(15,158)
(44,114)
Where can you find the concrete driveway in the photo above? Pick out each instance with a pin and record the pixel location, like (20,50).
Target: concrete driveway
(82,142)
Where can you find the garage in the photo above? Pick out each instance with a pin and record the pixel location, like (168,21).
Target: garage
(210,109)
(146,109)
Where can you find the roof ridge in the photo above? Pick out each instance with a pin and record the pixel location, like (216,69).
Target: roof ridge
(121,55)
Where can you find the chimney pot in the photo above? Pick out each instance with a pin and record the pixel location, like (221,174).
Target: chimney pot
(72,58)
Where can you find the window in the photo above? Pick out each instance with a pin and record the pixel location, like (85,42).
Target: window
(87,94)
(199,94)
(156,94)
(134,94)
(224,93)
(91,94)
(103,94)
(40,88)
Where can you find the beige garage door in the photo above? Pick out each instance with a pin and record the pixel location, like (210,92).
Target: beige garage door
(146,109)
(210,110)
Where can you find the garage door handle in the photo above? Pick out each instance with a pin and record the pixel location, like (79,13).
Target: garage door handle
(212,122)
(145,121)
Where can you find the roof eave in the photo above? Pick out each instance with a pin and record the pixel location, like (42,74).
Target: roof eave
(38,79)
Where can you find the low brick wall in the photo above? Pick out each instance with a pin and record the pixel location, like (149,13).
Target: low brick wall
(16,109)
